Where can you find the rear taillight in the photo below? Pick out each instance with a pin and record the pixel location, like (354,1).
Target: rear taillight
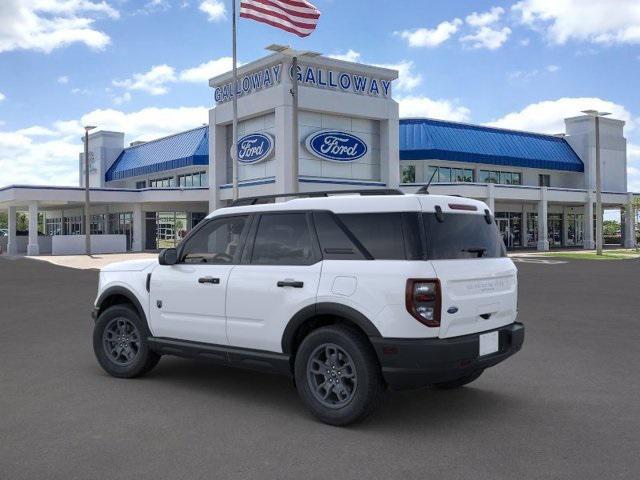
(423,301)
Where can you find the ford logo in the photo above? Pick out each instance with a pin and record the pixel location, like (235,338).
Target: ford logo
(255,147)
(336,146)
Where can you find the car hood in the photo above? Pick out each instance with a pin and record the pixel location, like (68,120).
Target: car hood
(130,265)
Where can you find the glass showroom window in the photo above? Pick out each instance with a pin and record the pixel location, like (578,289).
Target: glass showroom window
(446,174)
(53,226)
(142,184)
(408,174)
(162,182)
(73,225)
(504,178)
(190,180)
(98,223)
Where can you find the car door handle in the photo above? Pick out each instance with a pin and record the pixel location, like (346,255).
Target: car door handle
(215,281)
(290,283)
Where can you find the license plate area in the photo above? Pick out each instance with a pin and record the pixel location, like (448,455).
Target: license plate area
(489,343)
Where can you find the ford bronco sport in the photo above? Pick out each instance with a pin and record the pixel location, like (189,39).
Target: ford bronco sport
(347,294)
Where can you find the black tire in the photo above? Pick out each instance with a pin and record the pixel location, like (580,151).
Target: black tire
(135,358)
(459,382)
(358,389)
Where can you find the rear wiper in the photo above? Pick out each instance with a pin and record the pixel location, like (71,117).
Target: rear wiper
(480,251)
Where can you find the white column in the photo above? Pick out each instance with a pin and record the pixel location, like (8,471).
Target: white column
(218,155)
(491,200)
(629,224)
(589,242)
(136,244)
(283,154)
(390,151)
(543,240)
(12,245)
(33,248)
(565,226)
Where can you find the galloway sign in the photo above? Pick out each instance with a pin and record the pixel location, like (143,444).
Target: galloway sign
(248,84)
(308,76)
(336,146)
(328,78)
(254,148)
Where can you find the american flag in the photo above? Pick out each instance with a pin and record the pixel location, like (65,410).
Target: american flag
(294,16)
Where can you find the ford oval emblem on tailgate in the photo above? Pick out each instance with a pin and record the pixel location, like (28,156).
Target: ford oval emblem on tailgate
(452,310)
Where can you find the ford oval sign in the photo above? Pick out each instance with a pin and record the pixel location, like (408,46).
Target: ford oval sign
(255,147)
(336,146)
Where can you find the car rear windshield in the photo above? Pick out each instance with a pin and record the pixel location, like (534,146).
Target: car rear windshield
(461,235)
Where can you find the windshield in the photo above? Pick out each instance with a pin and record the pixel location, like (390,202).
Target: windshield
(462,235)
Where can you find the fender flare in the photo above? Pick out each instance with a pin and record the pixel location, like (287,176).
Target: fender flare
(125,292)
(325,308)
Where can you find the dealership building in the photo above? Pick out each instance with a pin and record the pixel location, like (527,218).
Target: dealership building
(147,195)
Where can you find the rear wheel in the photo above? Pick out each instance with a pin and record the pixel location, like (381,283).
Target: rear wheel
(459,382)
(120,343)
(337,375)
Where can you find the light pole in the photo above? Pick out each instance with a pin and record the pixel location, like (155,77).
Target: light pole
(87,216)
(596,114)
(295,144)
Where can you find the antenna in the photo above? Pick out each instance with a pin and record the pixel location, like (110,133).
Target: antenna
(425,190)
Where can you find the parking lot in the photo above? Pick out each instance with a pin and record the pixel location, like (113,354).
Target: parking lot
(565,407)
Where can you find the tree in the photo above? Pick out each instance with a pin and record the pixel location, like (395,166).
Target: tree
(3,220)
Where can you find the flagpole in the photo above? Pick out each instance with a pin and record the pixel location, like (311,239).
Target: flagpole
(294,126)
(234,147)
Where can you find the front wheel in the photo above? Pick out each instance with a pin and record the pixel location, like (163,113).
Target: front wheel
(120,343)
(337,375)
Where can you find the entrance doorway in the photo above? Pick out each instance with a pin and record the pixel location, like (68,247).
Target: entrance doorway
(510,228)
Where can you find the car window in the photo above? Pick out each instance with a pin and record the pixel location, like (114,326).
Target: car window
(283,239)
(380,233)
(215,243)
(334,241)
(460,235)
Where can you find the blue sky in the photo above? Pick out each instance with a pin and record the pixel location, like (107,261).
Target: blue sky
(142,66)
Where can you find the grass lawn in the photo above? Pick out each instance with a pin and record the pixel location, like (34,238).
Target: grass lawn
(617,254)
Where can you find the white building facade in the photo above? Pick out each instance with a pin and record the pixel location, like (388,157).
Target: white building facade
(148,195)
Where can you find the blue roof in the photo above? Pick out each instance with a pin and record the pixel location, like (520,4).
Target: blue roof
(427,139)
(183,149)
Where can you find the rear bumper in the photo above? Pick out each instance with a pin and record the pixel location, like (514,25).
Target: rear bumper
(412,363)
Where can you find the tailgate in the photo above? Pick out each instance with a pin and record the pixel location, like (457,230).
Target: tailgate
(482,294)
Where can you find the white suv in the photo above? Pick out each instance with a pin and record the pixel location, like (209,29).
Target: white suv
(346,294)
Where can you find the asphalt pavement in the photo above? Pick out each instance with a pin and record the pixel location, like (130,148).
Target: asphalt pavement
(566,407)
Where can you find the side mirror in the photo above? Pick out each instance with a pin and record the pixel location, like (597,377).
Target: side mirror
(168,256)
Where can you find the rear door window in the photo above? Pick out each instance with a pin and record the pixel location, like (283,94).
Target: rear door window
(462,235)
(335,241)
(283,239)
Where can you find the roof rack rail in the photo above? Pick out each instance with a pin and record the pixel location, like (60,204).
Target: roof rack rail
(325,193)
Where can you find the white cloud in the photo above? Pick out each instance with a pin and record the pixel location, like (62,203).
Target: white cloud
(63,79)
(548,116)
(526,75)
(487,37)
(349,56)
(120,99)
(420,106)
(48,155)
(486,18)
(45,25)
(214,9)
(154,81)
(525,42)
(407,78)
(2,96)
(424,37)
(203,72)
(595,21)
